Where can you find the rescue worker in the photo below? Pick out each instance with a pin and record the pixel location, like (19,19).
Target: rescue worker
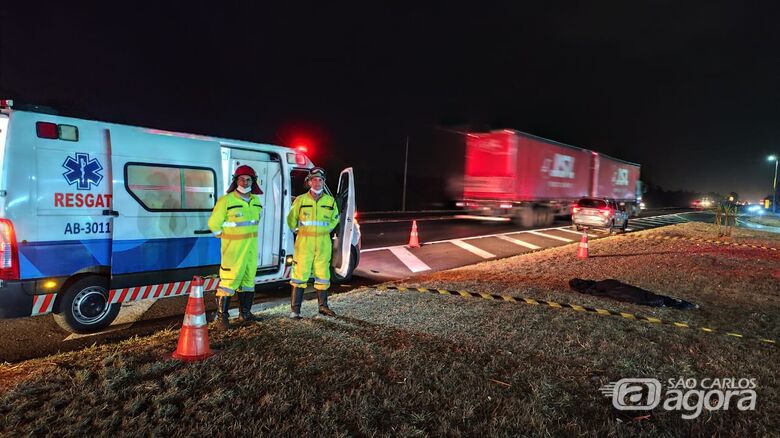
(235,220)
(313,216)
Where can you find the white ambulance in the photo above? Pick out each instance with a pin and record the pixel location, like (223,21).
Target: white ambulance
(95,214)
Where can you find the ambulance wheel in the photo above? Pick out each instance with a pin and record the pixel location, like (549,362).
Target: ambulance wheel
(354,257)
(84,308)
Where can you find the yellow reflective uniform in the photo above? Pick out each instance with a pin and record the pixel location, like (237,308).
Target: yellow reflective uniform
(235,222)
(314,220)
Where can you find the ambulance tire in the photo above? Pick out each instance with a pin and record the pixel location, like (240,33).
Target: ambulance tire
(354,258)
(84,308)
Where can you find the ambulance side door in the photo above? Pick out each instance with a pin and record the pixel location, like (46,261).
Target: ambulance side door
(269,178)
(165,187)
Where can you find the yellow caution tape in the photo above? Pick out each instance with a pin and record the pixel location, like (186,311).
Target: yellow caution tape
(576,307)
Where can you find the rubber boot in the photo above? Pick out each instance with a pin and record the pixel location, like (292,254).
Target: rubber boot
(222,320)
(245,300)
(296,299)
(322,297)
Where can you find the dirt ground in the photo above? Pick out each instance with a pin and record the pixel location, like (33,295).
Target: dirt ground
(421,364)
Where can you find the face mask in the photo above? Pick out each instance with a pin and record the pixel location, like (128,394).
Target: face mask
(317,192)
(244,190)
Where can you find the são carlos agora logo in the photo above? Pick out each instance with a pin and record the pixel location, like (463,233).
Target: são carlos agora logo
(82,171)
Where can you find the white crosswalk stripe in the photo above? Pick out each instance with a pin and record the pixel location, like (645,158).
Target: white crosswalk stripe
(550,236)
(579,233)
(473,249)
(519,242)
(410,260)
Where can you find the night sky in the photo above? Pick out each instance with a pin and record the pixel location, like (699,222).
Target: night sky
(690,90)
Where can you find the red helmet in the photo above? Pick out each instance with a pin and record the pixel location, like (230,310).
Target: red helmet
(245,170)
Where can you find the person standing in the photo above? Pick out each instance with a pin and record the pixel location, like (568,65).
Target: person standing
(234,221)
(312,218)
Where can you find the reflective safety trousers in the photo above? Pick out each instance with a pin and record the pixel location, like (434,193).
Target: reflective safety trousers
(314,221)
(235,222)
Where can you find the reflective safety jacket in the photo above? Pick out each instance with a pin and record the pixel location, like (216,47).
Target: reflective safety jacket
(312,221)
(235,222)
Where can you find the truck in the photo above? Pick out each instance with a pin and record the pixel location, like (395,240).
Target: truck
(96,214)
(529,180)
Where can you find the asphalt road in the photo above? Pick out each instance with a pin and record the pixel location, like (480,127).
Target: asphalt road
(26,338)
(376,234)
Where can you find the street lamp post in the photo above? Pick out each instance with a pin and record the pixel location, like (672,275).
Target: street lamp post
(406,160)
(774,184)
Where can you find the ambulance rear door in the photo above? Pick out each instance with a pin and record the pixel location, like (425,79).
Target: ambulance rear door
(165,186)
(346,246)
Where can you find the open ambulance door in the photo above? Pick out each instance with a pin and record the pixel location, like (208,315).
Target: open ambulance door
(346,245)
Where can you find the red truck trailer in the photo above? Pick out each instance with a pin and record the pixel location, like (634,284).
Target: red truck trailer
(530,179)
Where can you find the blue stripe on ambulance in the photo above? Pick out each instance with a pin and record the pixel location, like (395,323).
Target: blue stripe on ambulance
(62,258)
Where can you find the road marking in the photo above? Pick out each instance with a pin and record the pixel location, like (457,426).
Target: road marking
(519,242)
(473,249)
(550,236)
(632,223)
(410,260)
(656,221)
(579,233)
(483,218)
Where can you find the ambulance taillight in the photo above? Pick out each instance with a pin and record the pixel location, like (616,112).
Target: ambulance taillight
(9,252)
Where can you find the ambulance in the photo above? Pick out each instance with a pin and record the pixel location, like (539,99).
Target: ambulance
(96,214)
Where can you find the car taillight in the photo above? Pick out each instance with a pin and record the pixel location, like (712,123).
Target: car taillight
(605,211)
(575,209)
(9,253)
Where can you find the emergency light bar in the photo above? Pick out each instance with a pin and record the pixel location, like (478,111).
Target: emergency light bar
(6,103)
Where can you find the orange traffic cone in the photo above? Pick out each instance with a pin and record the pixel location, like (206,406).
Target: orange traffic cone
(582,253)
(194,337)
(414,242)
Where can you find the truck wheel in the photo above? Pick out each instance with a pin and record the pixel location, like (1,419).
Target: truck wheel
(525,217)
(354,258)
(84,306)
(549,217)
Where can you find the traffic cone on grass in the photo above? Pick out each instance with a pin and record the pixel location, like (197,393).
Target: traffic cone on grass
(582,252)
(414,241)
(194,336)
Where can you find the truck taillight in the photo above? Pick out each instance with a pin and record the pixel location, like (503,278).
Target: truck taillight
(9,253)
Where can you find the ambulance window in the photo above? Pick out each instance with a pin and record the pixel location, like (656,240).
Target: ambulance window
(298,182)
(171,188)
(198,189)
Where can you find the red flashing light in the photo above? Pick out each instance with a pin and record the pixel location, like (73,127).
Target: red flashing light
(6,103)
(9,251)
(47,130)
(302,148)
